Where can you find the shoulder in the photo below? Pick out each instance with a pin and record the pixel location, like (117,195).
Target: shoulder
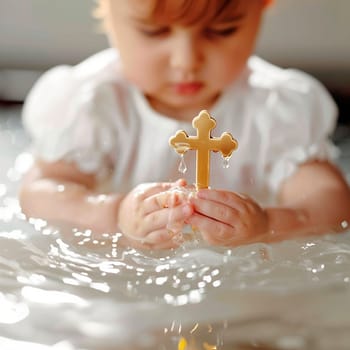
(269,78)
(294,115)
(290,94)
(64,91)
(59,80)
(265,75)
(71,109)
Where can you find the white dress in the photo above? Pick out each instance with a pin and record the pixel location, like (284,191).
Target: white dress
(90,115)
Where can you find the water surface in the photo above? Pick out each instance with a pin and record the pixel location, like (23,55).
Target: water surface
(61,289)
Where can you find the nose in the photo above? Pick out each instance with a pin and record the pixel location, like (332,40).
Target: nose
(186,54)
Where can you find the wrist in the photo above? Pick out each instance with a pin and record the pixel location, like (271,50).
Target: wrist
(285,221)
(102,212)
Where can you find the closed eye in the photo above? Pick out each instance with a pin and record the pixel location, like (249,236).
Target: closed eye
(154,31)
(221,32)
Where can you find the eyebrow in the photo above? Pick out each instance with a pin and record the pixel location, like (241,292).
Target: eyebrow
(221,18)
(228,18)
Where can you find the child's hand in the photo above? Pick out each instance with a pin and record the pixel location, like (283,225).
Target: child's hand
(145,213)
(227,218)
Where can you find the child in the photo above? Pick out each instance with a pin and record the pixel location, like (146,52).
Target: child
(111,116)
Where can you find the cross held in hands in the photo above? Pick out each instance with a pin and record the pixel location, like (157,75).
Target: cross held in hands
(203,143)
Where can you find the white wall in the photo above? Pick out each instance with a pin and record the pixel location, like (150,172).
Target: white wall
(309,34)
(41,33)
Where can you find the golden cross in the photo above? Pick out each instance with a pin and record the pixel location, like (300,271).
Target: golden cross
(203,143)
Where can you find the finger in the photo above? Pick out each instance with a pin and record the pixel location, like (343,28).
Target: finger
(242,205)
(231,199)
(168,216)
(162,239)
(178,216)
(212,231)
(180,183)
(163,200)
(218,233)
(155,202)
(148,189)
(215,210)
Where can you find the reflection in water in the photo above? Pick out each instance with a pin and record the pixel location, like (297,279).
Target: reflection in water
(91,294)
(60,288)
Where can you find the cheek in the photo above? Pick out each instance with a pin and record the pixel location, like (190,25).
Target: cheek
(140,69)
(139,63)
(235,56)
(229,66)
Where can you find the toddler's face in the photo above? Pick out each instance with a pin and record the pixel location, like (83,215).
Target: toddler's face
(183,56)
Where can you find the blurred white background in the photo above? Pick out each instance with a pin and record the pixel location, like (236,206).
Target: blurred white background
(312,35)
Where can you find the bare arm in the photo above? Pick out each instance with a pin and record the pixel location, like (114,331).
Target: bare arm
(316,199)
(59,191)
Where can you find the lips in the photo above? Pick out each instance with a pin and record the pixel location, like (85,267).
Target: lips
(189,88)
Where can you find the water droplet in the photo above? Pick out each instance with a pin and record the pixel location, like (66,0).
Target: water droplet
(225,162)
(344,224)
(182,166)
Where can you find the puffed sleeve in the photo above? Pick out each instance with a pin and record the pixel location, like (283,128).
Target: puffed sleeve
(66,116)
(300,118)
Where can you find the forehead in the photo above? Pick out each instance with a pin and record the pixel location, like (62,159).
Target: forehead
(184,11)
